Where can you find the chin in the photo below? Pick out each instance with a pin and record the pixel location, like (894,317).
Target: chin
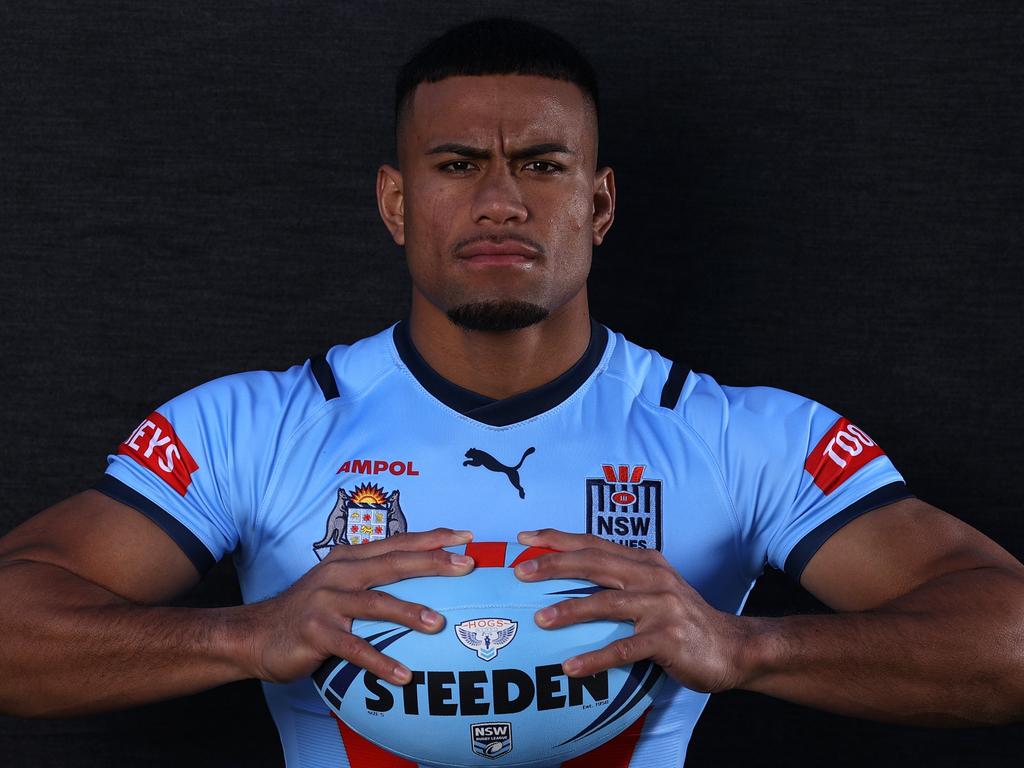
(497,315)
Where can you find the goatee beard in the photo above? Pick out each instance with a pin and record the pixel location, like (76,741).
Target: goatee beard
(496,316)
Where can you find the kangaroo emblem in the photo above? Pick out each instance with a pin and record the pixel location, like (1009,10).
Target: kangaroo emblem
(366,514)
(477,458)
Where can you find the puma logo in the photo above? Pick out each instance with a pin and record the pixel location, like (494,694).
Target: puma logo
(477,458)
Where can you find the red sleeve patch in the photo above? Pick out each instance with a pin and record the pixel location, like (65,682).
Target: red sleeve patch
(839,455)
(155,446)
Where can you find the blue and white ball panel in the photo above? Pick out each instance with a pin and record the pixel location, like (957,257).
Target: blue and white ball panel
(488,689)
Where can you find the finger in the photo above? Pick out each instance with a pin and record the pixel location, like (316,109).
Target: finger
(362,654)
(375,604)
(552,538)
(621,652)
(406,542)
(389,567)
(609,568)
(610,604)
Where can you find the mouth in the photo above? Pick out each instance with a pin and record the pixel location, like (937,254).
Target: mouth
(496,259)
(506,252)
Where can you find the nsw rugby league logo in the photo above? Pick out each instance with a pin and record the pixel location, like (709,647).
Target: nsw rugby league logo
(491,740)
(367,513)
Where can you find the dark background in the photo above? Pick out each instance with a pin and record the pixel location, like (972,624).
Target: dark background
(823,197)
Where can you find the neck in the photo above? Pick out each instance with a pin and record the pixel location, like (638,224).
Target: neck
(501,365)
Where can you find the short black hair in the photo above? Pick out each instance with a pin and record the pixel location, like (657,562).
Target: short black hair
(495,46)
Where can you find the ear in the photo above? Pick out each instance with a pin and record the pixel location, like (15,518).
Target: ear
(604,203)
(391,202)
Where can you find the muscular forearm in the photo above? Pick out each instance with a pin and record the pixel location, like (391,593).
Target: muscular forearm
(70,647)
(948,653)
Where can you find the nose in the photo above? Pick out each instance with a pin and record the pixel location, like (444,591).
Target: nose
(498,198)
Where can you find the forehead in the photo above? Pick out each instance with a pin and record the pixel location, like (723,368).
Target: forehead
(518,107)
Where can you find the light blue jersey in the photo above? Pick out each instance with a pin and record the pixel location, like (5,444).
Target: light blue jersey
(276,468)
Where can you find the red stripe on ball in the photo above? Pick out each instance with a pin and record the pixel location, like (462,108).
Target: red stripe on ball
(528,554)
(487,554)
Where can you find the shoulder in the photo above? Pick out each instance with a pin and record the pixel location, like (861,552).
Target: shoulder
(348,371)
(719,413)
(671,383)
(343,371)
(711,407)
(642,370)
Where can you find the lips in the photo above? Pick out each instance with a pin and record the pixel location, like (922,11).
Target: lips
(503,248)
(506,251)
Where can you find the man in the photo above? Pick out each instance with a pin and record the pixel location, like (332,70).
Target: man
(499,409)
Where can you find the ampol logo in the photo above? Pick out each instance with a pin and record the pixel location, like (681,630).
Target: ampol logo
(376,466)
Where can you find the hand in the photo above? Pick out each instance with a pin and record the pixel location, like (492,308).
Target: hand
(696,644)
(293,633)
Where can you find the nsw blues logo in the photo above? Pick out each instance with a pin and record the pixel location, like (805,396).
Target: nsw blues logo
(625,508)
(367,513)
(486,636)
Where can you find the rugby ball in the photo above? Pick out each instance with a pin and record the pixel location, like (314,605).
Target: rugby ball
(488,689)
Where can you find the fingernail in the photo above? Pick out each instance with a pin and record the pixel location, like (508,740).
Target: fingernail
(430,617)
(402,673)
(546,615)
(527,567)
(465,535)
(461,560)
(528,534)
(571,665)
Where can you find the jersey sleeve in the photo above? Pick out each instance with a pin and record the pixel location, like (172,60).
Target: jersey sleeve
(796,470)
(199,464)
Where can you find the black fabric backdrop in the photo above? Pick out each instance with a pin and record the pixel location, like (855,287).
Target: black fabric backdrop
(824,197)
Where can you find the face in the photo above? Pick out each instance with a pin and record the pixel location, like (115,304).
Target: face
(497,202)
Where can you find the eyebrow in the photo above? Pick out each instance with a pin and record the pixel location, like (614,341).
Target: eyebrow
(478,153)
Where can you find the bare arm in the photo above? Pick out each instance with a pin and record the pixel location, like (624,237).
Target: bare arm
(74,581)
(80,585)
(931,630)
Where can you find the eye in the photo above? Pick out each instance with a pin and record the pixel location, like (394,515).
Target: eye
(543,166)
(456,166)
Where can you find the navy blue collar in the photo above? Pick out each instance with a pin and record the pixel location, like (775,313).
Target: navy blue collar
(509,410)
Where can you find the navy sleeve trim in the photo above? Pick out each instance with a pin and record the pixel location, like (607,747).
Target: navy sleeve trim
(197,552)
(324,376)
(673,385)
(806,548)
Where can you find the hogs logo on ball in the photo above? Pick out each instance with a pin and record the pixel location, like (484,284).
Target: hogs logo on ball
(486,636)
